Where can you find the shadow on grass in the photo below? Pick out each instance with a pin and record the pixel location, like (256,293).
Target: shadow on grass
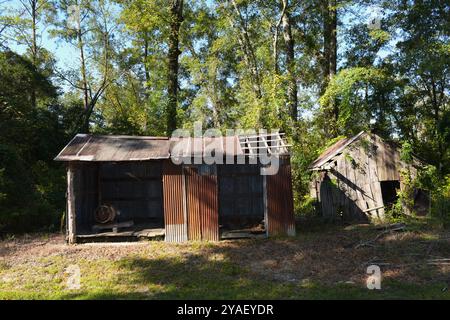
(308,267)
(196,278)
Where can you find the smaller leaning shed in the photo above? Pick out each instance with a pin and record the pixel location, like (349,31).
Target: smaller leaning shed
(358,179)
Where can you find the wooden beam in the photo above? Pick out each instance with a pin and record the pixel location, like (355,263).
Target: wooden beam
(264,147)
(71,223)
(262,134)
(265,204)
(372,209)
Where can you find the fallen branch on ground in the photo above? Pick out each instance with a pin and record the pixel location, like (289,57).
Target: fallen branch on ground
(388,229)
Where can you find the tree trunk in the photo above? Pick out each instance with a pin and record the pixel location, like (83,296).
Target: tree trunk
(333,52)
(145,63)
(329,58)
(275,38)
(34,50)
(248,50)
(176,17)
(84,84)
(290,63)
(147,71)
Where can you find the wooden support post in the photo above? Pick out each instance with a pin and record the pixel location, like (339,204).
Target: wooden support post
(71,225)
(266,216)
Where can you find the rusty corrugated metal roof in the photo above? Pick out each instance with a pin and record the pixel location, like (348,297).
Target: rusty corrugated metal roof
(189,146)
(87,147)
(334,150)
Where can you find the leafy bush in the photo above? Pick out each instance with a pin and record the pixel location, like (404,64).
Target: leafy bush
(440,208)
(307,207)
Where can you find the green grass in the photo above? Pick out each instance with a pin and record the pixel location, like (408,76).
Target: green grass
(226,270)
(138,278)
(172,278)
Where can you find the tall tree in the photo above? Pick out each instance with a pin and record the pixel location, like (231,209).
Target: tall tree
(423,63)
(88,26)
(176,18)
(329,59)
(292,102)
(238,20)
(24,25)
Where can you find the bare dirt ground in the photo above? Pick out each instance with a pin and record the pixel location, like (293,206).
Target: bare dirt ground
(326,258)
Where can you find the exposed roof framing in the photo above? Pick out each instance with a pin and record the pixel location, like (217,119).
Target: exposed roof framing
(264,144)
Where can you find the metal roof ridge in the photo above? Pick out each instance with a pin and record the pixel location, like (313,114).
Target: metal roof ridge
(327,158)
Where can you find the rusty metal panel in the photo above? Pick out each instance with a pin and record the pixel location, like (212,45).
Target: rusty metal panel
(210,221)
(174,205)
(193,203)
(280,206)
(202,146)
(202,202)
(86,147)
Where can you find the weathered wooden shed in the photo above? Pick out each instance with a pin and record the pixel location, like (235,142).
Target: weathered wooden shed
(125,187)
(358,178)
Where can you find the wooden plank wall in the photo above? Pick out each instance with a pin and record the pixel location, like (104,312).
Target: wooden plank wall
(71,208)
(86,194)
(355,189)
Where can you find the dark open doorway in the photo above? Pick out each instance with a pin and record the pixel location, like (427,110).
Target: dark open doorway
(241,203)
(389,191)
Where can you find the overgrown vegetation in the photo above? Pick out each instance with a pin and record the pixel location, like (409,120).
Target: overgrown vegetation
(429,180)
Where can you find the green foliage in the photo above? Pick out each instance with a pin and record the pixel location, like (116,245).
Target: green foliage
(440,208)
(31,184)
(406,152)
(351,89)
(329,143)
(427,180)
(307,207)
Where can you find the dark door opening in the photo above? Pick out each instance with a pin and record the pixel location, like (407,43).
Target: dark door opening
(134,190)
(241,203)
(421,202)
(389,192)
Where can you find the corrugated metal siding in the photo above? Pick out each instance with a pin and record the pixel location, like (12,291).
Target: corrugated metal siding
(280,206)
(202,202)
(193,204)
(174,205)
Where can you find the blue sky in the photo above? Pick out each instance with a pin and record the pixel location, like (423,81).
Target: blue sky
(67,56)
